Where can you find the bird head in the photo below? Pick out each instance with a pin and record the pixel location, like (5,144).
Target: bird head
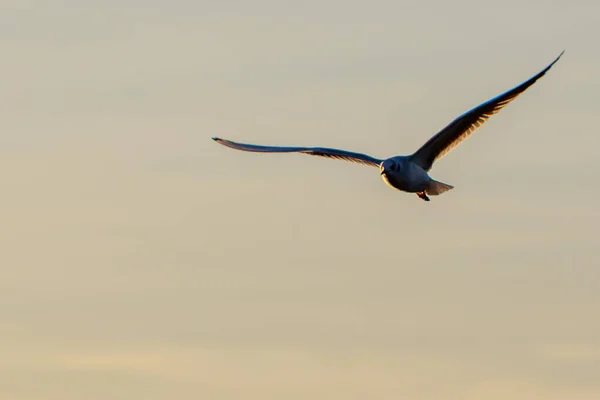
(389,166)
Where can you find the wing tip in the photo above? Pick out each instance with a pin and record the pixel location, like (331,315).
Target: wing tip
(555,60)
(224,142)
(560,55)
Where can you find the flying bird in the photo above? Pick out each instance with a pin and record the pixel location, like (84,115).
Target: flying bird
(409,173)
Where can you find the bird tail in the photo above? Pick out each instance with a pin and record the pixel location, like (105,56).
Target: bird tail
(436,188)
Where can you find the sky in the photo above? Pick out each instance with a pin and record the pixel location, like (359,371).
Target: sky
(141,260)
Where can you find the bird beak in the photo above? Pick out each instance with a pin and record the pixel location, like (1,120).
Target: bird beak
(382,172)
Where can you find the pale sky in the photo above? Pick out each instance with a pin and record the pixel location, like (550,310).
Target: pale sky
(141,260)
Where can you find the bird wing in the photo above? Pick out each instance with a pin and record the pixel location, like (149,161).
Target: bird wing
(462,127)
(314,151)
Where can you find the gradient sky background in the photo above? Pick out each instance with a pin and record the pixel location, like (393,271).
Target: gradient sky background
(140,260)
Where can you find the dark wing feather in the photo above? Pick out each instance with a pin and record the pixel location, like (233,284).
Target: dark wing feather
(462,127)
(314,151)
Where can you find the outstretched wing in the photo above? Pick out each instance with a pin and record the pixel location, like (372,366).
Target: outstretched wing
(313,151)
(463,126)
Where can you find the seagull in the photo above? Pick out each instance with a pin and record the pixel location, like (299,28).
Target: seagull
(409,173)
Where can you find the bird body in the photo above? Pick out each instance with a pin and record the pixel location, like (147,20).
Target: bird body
(402,174)
(410,173)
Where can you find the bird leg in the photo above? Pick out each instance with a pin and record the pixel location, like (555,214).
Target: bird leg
(423,196)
